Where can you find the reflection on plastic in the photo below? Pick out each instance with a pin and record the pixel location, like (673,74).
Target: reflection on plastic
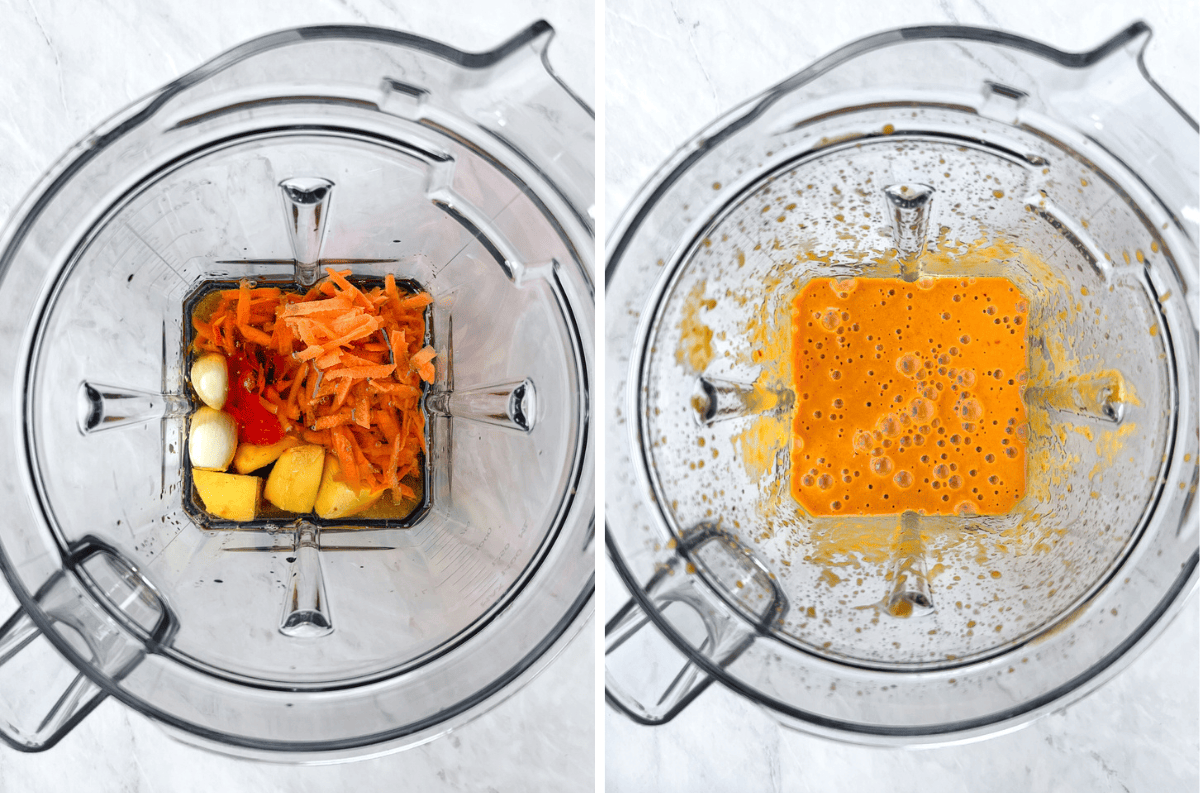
(724,594)
(112,626)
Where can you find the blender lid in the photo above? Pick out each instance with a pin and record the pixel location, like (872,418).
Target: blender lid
(469,175)
(1022,162)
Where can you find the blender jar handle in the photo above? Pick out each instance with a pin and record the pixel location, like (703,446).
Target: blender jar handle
(1120,105)
(698,582)
(521,101)
(29,724)
(45,695)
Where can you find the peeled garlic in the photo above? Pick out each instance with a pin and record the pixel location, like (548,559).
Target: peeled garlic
(210,378)
(213,440)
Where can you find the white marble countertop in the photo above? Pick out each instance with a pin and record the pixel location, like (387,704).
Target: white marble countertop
(68,67)
(670,69)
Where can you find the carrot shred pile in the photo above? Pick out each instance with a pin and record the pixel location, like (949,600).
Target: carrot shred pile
(346,369)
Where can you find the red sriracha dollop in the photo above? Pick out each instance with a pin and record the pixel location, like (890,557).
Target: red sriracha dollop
(256,424)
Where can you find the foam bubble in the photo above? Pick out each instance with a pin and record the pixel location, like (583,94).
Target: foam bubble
(922,409)
(889,426)
(830,319)
(970,410)
(908,364)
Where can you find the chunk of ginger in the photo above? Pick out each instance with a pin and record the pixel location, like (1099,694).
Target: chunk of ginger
(228,496)
(295,479)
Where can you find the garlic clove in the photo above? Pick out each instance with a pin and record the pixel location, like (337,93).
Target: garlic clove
(213,439)
(210,378)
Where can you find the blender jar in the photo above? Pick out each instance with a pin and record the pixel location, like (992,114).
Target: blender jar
(366,149)
(938,151)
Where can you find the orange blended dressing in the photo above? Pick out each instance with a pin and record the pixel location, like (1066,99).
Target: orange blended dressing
(908,396)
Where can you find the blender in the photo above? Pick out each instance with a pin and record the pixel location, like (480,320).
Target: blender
(925,152)
(468,175)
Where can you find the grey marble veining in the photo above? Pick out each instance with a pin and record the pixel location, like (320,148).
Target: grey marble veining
(672,69)
(66,68)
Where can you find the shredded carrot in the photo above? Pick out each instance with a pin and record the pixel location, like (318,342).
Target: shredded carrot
(243,304)
(343,390)
(318,437)
(341,447)
(423,357)
(332,305)
(251,333)
(348,363)
(416,301)
(387,423)
(228,341)
(329,422)
(393,465)
(360,372)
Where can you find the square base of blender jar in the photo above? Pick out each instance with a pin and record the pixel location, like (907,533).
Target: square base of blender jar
(383,514)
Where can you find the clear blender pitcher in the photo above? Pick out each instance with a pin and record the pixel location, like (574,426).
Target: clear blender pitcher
(469,175)
(940,151)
